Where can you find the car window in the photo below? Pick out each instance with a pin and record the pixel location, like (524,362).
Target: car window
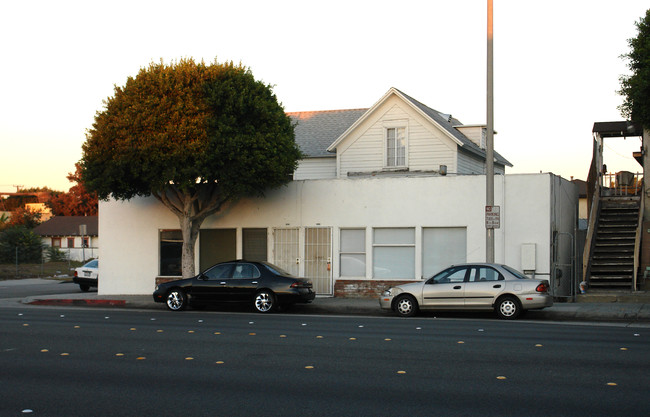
(92,264)
(220,271)
(517,274)
(245,271)
(277,270)
(485,273)
(453,274)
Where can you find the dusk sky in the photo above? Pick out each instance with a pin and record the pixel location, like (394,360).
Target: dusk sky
(557,66)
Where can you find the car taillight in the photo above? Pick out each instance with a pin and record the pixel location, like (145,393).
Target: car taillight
(75,273)
(542,287)
(300,284)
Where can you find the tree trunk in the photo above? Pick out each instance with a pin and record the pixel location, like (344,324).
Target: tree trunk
(190,231)
(191,206)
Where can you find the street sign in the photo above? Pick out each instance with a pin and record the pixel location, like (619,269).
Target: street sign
(492,217)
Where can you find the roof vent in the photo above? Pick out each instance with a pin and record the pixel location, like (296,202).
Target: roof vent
(445,116)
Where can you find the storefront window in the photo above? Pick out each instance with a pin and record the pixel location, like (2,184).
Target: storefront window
(171,247)
(394,253)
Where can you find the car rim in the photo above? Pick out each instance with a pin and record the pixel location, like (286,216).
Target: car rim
(508,308)
(263,302)
(174,300)
(404,306)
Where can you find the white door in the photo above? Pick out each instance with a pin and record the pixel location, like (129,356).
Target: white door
(318,258)
(286,253)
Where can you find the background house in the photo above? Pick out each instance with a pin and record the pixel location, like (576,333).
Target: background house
(391,193)
(66,234)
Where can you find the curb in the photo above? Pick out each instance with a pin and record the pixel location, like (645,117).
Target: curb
(77,302)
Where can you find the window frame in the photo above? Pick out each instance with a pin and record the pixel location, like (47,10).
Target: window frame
(178,243)
(343,253)
(395,125)
(395,245)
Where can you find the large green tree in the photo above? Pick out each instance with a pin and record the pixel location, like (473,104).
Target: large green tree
(636,87)
(195,136)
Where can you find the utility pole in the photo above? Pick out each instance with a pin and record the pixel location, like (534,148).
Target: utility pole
(489,152)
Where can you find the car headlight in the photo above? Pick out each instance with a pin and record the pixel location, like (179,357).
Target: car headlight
(157,287)
(387,293)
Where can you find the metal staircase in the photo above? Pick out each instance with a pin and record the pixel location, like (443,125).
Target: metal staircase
(612,262)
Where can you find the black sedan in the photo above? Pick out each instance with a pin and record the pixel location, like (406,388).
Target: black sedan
(261,284)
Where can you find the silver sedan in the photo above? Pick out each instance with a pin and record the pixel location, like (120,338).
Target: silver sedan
(470,287)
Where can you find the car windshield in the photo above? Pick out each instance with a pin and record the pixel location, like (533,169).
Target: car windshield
(276,269)
(516,273)
(92,264)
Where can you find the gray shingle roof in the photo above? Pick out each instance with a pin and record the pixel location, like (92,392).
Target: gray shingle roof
(67,226)
(448,123)
(317,130)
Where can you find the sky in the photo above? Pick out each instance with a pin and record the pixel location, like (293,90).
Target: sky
(557,66)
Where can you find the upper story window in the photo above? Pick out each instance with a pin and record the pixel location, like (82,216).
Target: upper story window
(395,147)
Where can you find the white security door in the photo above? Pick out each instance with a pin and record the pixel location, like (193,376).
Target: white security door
(318,258)
(286,253)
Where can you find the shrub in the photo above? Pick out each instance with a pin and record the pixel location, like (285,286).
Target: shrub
(55,254)
(22,243)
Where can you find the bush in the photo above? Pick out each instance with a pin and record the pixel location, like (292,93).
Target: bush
(55,254)
(21,242)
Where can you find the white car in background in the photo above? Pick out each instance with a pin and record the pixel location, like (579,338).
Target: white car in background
(87,275)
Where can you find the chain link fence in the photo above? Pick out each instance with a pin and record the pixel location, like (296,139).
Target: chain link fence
(50,262)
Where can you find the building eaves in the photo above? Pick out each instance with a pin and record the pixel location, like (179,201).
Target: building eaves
(447,122)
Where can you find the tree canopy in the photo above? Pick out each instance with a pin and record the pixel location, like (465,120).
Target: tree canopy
(193,135)
(636,87)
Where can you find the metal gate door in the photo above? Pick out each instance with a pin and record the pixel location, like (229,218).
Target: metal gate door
(318,258)
(285,249)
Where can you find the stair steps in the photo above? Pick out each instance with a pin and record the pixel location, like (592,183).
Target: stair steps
(612,258)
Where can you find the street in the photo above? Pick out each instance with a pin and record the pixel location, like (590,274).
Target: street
(25,287)
(101,362)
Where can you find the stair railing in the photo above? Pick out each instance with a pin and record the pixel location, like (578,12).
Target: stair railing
(637,243)
(591,232)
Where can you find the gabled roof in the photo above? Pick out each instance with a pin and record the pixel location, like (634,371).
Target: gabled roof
(444,122)
(68,226)
(317,130)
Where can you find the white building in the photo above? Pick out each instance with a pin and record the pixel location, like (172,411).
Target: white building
(76,236)
(391,193)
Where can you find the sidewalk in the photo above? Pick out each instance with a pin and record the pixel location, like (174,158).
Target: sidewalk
(607,310)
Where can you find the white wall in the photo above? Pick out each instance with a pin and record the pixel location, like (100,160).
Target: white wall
(130,230)
(316,168)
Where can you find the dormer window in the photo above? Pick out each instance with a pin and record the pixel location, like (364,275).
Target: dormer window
(395,147)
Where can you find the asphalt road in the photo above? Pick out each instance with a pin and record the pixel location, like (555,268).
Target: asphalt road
(103,362)
(30,287)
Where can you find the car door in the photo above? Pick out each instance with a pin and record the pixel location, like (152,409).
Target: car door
(244,282)
(212,285)
(484,284)
(445,289)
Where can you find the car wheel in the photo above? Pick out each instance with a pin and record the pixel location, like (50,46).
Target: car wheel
(264,301)
(84,288)
(176,300)
(406,306)
(508,308)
